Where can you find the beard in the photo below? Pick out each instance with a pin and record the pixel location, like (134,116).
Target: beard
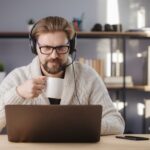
(55,66)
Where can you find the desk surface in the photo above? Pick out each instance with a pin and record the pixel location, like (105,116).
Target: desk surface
(106,143)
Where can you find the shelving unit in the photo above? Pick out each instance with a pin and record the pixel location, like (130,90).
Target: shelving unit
(101,35)
(120,90)
(113,35)
(94,35)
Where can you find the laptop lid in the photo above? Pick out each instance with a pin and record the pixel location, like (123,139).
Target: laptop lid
(53,123)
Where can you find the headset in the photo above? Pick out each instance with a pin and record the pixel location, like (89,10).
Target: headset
(72,42)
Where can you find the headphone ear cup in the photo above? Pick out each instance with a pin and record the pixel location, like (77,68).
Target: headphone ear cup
(33,45)
(73,44)
(33,40)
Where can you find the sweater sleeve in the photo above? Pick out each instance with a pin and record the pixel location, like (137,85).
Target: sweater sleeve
(112,122)
(8,95)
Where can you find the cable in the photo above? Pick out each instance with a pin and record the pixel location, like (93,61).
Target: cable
(64,67)
(75,80)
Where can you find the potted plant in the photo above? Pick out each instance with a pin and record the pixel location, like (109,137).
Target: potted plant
(2,72)
(30,24)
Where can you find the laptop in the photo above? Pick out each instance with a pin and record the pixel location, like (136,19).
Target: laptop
(53,123)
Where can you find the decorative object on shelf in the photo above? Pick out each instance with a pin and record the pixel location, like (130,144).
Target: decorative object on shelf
(118,104)
(113,63)
(30,24)
(115,79)
(78,22)
(2,72)
(113,27)
(118,81)
(97,27)
(108,27)
(117,27)
(108,65)
(117,58)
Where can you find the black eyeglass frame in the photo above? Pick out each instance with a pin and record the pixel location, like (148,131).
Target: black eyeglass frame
(58,51)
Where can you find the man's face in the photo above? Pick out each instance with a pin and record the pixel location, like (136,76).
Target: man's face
(54,61)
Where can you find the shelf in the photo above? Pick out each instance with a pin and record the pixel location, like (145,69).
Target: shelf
(14,35)
(113,87)
(144,88)
(113,35)
(85,35)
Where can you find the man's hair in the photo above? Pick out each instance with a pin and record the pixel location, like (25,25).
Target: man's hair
(52,24)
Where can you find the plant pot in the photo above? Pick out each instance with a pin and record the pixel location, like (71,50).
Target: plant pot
(2,76)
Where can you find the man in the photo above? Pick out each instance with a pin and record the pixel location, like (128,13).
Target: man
(52,39)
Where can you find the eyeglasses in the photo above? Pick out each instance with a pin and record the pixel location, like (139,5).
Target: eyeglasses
(47,49)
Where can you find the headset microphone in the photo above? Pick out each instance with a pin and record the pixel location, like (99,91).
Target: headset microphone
(73,59)
(65,66)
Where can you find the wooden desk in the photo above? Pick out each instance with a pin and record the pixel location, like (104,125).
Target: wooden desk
(106,143)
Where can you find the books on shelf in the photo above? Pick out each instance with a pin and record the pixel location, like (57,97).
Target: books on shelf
(96,64)
(111,81)
(118,81)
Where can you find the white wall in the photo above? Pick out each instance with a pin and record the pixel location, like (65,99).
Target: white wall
(15,13)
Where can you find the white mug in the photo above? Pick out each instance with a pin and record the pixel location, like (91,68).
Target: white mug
(54,87)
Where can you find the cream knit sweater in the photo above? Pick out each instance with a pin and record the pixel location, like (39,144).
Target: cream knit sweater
(90,90)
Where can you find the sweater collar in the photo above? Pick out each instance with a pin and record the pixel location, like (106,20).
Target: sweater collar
(69,85)
(35,68)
